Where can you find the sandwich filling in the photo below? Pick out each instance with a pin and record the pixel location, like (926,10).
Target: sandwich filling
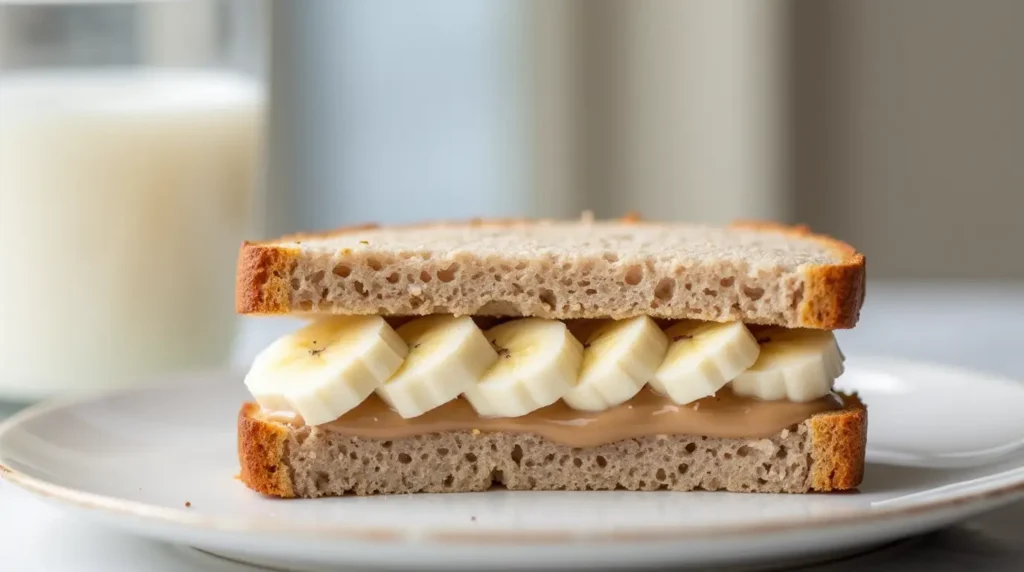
(580,382)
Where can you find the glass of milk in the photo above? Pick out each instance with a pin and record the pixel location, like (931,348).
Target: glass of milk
(129,156)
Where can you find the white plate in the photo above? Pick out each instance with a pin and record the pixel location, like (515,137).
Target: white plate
(135,458)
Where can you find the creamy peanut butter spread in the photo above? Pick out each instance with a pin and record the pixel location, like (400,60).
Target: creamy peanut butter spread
(649,413)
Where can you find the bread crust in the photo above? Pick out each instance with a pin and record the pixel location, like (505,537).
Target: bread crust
(831,297)
(262,454)
(833,293)
(838,440)
(261,283)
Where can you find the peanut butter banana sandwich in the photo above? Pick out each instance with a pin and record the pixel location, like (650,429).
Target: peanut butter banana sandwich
(552,355)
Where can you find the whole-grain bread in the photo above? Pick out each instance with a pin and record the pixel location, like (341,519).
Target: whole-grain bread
(755,272)
(824,453)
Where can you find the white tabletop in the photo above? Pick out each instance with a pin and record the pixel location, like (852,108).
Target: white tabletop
(968,325)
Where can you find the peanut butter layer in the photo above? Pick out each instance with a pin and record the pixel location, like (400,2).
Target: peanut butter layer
(649,413)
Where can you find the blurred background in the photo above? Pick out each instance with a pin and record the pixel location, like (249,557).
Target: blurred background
(141,141)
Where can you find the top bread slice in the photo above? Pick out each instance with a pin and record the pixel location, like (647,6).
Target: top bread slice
(759,273)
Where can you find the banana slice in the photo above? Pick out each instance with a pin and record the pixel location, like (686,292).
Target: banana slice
(702,358)
(538,361)
(619,358)
(326,368)
(794,364)
(447,355)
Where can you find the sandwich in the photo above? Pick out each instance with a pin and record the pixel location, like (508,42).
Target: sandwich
(552,355)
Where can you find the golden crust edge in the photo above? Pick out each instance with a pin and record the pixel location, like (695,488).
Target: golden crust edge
(839,445)
(838,448)
(832,297)
(833,294)
(261,278)
(262,456)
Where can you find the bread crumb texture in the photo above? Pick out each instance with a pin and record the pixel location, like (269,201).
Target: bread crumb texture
(756,273)
(824,453)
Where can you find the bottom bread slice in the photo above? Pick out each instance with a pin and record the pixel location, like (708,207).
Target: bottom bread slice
(824,453)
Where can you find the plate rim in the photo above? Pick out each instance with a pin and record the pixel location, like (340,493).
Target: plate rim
(396,534)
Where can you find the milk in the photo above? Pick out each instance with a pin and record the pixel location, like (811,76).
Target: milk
(124,196)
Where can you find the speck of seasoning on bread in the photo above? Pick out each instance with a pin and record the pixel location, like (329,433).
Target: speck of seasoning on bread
(476,431)
(364,242)
(188,504)
(472,518)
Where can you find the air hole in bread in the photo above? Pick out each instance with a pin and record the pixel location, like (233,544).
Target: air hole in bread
(471,457)
(342,270)
(743,451)
(374,264)
(360,289)
(521,266)
(578,462)
(442,452)
(762,482)
(665,289)
(547,297)
(393,278)
(506,268)
(295,282)
(323,294)
(404,458)
(415,301)
(710,292)
(660,475)
(611,257)
(683,467)
(306,305)
(601,461)
(691,447)
(727,282)
(634,274)
(781,453)
(425,276)
(448,274)
(753,293)
(517,454)
(591,292)
(688,286)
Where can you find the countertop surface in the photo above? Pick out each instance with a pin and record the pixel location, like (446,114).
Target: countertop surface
(969,325)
